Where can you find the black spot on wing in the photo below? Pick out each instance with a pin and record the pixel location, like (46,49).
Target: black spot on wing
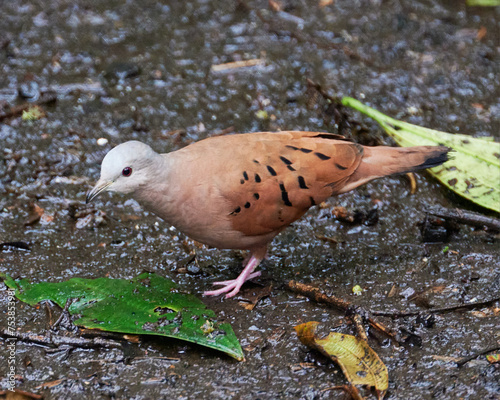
(313,202)
(236,211)
(291,168)
(291,147)
(247,205)
(322,156)
(242,181)
(271,170)
(340,167)
(302,183)
(257,196)
(255,161)
(285,160)
(304,150)
(284,195)
(257,178)
(332,136)
(245,175)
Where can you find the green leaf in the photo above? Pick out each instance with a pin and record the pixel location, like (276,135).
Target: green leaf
(483,3)
(474,170)
(145,305)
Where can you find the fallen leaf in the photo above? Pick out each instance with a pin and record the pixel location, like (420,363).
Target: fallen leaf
(33,113)
(360,364)
(493,358)
(146,305)
(473,168)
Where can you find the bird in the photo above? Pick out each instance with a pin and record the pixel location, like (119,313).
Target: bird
(239,191)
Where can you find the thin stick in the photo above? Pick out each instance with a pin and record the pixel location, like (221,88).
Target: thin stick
(343,305)
(64,312)
(59,340)
(473,356)
(400,314)
(465,217)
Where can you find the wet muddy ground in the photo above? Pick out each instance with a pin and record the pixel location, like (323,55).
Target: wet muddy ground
(143,70)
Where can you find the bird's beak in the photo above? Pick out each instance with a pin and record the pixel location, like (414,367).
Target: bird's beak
(99,187)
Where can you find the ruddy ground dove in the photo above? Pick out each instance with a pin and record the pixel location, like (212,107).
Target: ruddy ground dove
(240,191)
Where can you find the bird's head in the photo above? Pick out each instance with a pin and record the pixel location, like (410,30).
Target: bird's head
(125,169)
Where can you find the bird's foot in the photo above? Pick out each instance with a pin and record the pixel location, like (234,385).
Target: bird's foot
(232,286)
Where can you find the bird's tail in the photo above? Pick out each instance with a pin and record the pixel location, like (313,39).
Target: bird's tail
(381,161)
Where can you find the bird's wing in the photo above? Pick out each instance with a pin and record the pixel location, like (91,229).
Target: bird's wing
(270,180)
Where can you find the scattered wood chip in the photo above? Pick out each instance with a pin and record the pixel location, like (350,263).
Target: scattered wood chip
(393,292)
(47,385)
(301,366)
(18,394)
(327,239)
(35,214)
(446,358)
(324,3)
(481,33)
(275,5)
(237,64)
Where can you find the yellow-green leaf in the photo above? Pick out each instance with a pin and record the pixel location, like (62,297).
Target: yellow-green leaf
(483,3)
(33,113)
(360,364)
(474,170)
(493,358)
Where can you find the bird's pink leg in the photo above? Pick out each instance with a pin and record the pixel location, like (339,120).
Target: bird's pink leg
(233,286)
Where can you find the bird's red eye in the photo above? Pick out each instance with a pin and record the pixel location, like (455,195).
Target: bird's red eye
(127,171)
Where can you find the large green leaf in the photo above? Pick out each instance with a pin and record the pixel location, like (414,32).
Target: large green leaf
(474,170)
(145,305)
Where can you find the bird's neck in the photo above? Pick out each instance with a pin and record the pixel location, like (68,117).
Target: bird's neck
(158,194)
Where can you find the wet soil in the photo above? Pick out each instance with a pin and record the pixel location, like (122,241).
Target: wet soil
(143,70)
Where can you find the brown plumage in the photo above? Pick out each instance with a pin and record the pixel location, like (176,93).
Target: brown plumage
(239,191)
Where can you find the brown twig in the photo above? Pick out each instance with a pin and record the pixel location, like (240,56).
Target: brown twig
(465,360)
(343,305)
(358,323)
(465,217)
(400,314)
(20,394)
(55,341)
